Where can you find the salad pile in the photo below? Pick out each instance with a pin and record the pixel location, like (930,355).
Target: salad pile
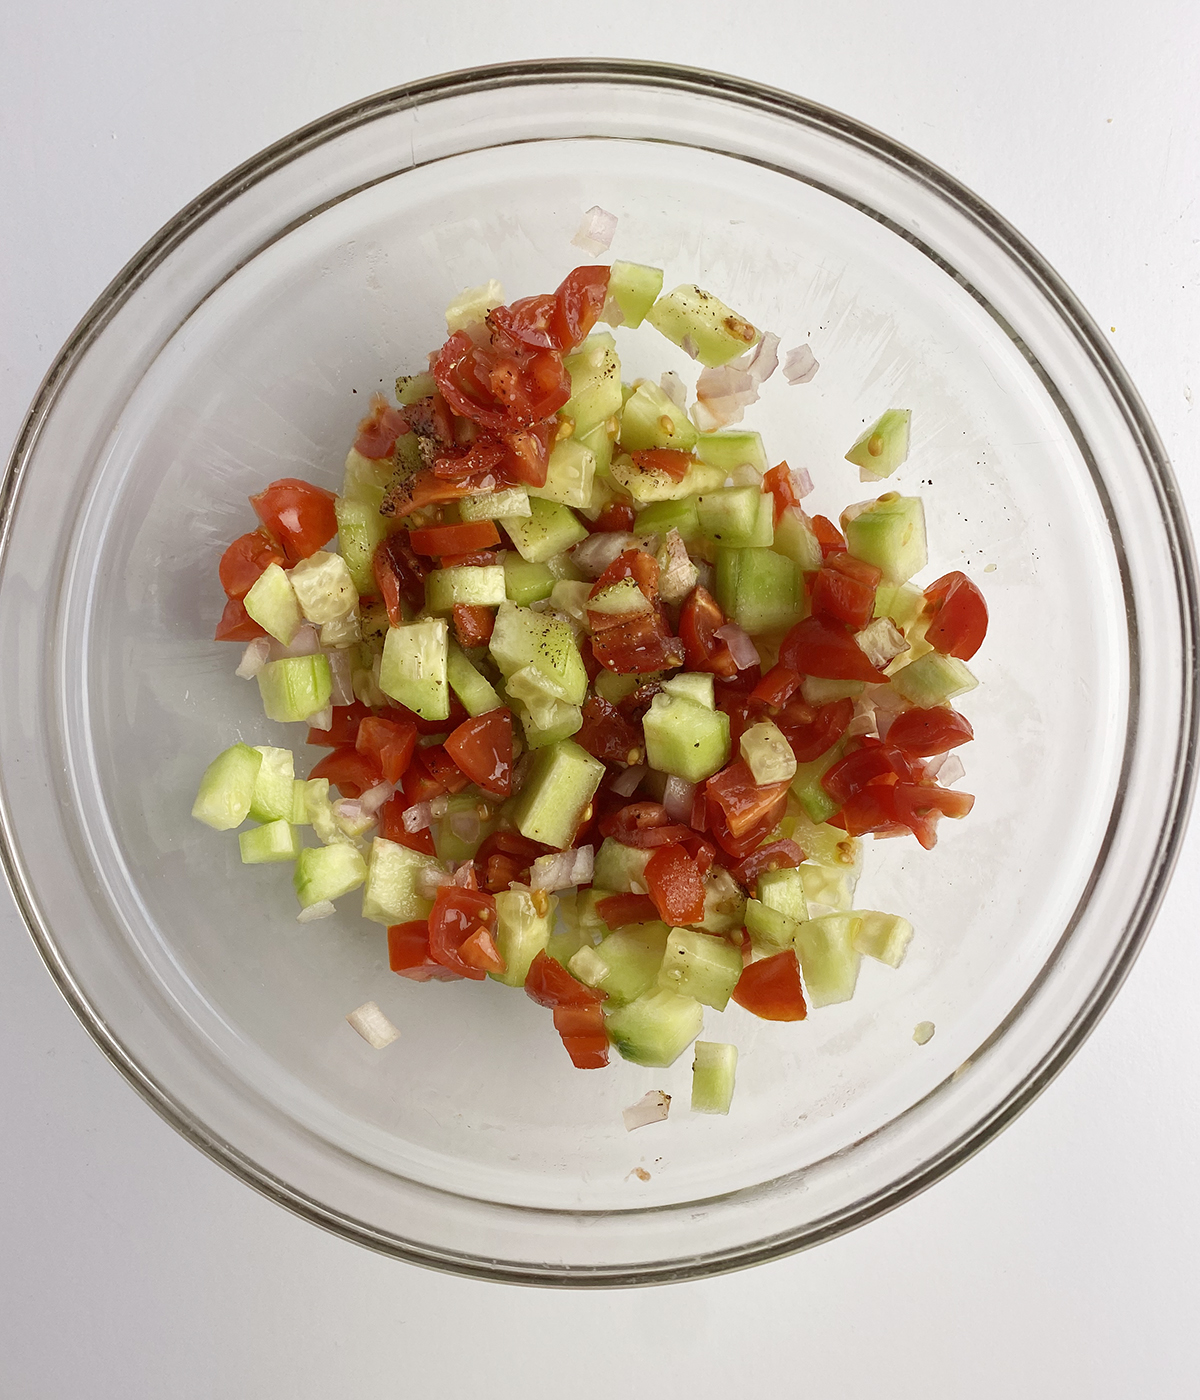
(606,712)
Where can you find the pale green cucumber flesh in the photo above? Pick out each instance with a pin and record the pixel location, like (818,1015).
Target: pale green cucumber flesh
(547,530)
(327,872)
(758,589)
(526,583)
(889,533)
(558,790)
(713,1071)
(295,687)
(521,933)
(390,893)
(685,739)
(655,1029)
(933,679)
(273,841)
(272,603)
(884,445)
(472,585)
(700,965)
(227,788)
(274,787)
(717,333)
(828,958)
(413,670)
(620,868)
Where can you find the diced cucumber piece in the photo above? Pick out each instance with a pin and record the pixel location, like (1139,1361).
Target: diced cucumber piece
(933,679)
(828,957)
(323,587)
(692,685)
(613,688)
(342,632)
(702,324)
(685,739)
(882,936)
(571,596)
(495,505)
(661,517)
(570,473)
(320,813)
(902,602)
(547,530)
(889,533)
(555,720)
(625,964)
(451,846)
(521,932)
(360,530)
(648,484)
(558,790)
(274,841)
(565,942)
(595,374)
(768,753)
(272,603)
(600,445)
(373,624)
(700,965)
(818,690)
(882,448)
(758,589)
(478,695)
(524,638)
(472,305)
(650,419)
(526,583)
(724,903)
(739,517)
(364,480)
(274,786)
(824,844)
(655,1029)
(412,387)
(623,599)
(713,1071)
(634,287)
(474,585)
(227,788)
(299,814)
(295,687)
(794,539)
(730,450)
(413,670)
(783,891)
(537,692)
(770,930)
(806,785)
(390,895)
(586,919)
(327,872)
(621,869)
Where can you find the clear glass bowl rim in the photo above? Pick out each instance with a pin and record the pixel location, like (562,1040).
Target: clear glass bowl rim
(806,114)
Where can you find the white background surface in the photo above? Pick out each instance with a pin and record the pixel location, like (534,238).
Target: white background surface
(1062,1261)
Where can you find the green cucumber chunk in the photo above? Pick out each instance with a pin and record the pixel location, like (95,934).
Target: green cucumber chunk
(889,533)
(701,965)
(806,785)
(692,685)
(558,790)
(768,753)
(295,687)
(884,937)
(521,933)
(828,958)
(274,841)
(299,814)
(272,603)
(783,891)
(410,388)
(655,1029)
(634,287)
(570,474)
(713,1071)
(724,903)
(595,374)
(324,588)
(758,589)
(884,445)
(390,895)
(661,517)
(477,694)
(495,505)
(360,530)
(548,529)
(553,720)
(730,450)
(524,638)
(327,872)
(227,788)
(364,480)
(413,669)
(472,305)
(817,690)
(739,517)
(717,334)
(526,583)
(650,419)
(620,869)
(449,844)
(473,585)
(649,484)
(684,738)
(625,964)
(933,679)
(902,602)
(274,786)
(795,539)
(770,930)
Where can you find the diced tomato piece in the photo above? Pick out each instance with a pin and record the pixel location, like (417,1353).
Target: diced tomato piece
(853,772)
(664,459)
(378,431)
(351,772)
(409,955)
(388,745)
(480,951)
(635,564)
(501,392)
(504,857)
(482,559)
(925,733)
(577,1014)
(675,886)
(298,514)
(550,984)
(829,537)
(743,801)
(638,645)
(776,687)
(426,727)
(959,616)
(918,806)
(699,619)
(845,590)
(500,871)
(607,735)
(740,846)
(528,457)
(344,727)
(483,748)
(246,559)
(473,624)
(425,488)
(820,647)
(778,481)
(579,300)
(442,769)
(436,540)
(778,855)
(392,828)
(641,824)
(457,915)
(616,517)
(702,852)
(471,463)
(873,808)
(399,576)
(814,732)
(617,910)
(771,988)
(530,320)
(236,624)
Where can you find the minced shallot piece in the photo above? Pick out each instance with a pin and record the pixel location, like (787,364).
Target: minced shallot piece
(741,648)
(673,387)
(677,798)
(373,1025)
(881,642)
(321,910)
(651,1108)
(563,870)
(593,555)
(799,365)
(306,642)
(430,879)
(254,658)
(416,818)
(676,573)
(323,719)
(722,396)
(626,782)
(465,825)
(947,768)
(375,797)
(802,484)
(595,233)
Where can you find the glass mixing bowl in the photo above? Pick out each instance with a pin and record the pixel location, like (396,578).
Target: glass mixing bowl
(241,345)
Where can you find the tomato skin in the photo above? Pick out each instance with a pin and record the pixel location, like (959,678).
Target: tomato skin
(926,733)
(814,732)
(457,914)
(699,619)
(505,857)
(845,590)
(664,459)
(829,537)
(776,687)
(530,320)
(473,624)
(550,984)
(409,955)
(436,540)
(578,1017)
(635,564)
(616,517)
(343,729)
(778,481)
(778,855)
(245,559)
(853,772)
(770,988)
(480,951)
(350,771)
(641,824)
(400,578)
(959,616)
(391,827)
(617,910)
(579,300)
(431,773)
(820,647)
(388,745)
(918,806)
(676,888)
(739,847)
(483,749)
(378,431)
(236,624)
(299,515)
(607,735)
(743,801)
(503,393)
(637,645)
(528,457)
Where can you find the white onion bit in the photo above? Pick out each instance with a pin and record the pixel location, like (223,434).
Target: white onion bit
(595,233)
(373,1025)
(881,642)
(802,483)
(799,365)
(416,818)
(306,642)
(741,648)
(651,1108)
(761,362)
(465,825)
(439,807)
(254,658)
(563,870)
(321,910)
(673,387)
(947,768)
(430,879)
(593,555)
(464,875)
(677,798)
(689,347)
(625,784)
(323,719)
(375,797)
(342,672)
